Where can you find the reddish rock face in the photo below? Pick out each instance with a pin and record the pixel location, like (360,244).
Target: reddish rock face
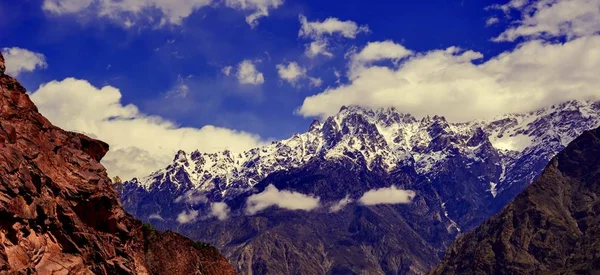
(59,213)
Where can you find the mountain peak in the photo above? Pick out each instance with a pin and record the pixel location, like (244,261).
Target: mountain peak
(180,157)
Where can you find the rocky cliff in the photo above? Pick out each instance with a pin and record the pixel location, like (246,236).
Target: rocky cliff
(59,213)
(552,227)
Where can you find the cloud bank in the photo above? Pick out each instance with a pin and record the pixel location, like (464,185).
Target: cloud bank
(387,195)
(552,18)
(76,105)
(272,196)
(18,60)
(557,60)
(453,83)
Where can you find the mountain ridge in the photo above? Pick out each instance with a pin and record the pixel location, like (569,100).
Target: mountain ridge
(552,227)
(460,172)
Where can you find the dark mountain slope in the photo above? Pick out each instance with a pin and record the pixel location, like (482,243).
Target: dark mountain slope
(552,227)
(379,239)
(59,213)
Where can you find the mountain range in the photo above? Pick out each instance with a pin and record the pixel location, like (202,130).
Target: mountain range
(374,191)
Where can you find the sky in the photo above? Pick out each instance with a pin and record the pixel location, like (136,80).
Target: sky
(153,76)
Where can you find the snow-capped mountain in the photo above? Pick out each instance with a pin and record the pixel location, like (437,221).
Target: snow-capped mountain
(386,139)
(462,173)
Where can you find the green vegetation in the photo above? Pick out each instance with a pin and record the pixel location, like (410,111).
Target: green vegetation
(202,245)
(148,227)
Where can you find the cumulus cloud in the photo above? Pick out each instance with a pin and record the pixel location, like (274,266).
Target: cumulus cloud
(187,216)
(220,210)
(291,72)
(285,199)
(377,51)
(320,31)
(340,204)
(552,18)
(387,195)
(457,84)
(248,74)
(258,8)
(18,60)
(191,197)
(76,105)
(127,12)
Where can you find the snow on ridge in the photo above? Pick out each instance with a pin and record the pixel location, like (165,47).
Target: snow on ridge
(404,137)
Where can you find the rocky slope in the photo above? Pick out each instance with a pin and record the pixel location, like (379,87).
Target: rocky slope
(551,228)
(462,174)
(59,213)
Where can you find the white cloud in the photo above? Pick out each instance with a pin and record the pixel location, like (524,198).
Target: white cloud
(315,82)
(226,70)
(76,105)
(453,83)
(180,90)
(387,195)
(155,217)
(285,199)
(492,21)
(248,74)
(65,6)
(131,12)
(553,18)
(340,204)
(291,72)
(191,197)
(316,48)
(329,26)
(320,31)
(377,51)
(18,60)
(220,210)
(187,216)
(126,12)
(259,8)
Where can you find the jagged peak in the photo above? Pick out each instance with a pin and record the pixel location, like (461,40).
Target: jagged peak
(180,156)
(314,126)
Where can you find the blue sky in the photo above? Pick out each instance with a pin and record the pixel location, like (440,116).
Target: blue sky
(149,79)
(144,63)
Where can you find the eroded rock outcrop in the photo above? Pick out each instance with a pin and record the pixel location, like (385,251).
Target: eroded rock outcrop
(59,213)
